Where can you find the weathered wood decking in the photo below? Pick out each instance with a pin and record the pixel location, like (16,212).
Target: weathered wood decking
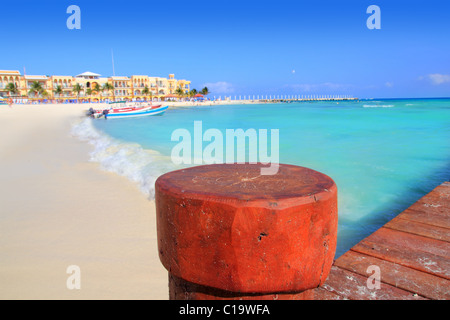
(412,252)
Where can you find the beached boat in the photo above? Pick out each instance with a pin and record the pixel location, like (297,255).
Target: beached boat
(3,101)
(128,112)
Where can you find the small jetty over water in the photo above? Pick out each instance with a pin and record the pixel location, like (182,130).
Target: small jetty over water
(412,252)
(310,99)
(284,98)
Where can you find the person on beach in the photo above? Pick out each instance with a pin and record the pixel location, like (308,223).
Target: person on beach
(91,113)
(105,113)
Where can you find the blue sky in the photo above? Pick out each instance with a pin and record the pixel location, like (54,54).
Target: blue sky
(241,47)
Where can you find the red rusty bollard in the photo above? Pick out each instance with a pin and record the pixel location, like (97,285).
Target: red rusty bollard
(227,232)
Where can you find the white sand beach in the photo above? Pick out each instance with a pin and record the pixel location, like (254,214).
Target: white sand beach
(57,209)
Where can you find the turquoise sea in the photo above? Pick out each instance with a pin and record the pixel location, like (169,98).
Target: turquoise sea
(382,154)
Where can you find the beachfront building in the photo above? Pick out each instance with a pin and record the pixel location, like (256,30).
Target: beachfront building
(88,86)
(161,86)
(89,80)
(13,84)
(37,86)
(184,85)
(153,85)
(7,77)
(172,84)
(62,86)
(140,86)
(122,87)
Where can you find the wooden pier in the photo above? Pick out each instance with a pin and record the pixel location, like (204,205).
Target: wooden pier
(411,253)
(285,98)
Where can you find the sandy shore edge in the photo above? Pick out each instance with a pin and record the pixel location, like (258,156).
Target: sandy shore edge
(58,209)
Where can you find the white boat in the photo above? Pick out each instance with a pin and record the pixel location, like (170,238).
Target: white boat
(137,112)
(129,112)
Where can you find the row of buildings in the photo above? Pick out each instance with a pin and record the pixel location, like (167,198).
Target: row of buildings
(137,87)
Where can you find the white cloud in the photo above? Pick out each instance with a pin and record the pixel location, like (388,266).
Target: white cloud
(219,87)
(437,78)
(389,84)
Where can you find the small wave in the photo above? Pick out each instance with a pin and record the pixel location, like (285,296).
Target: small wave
(378,106)
(142,166)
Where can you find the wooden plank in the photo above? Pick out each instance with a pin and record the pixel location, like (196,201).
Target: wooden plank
(352,286)
(412,251)
(410,241)
(405,278)
(425,215)
(417,252)
(419,228)
(432,208)
(440,195)
(438,199)
(443,190)
(434,202)
(322,294)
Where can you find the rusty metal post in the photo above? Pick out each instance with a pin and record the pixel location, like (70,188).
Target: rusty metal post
(227,232)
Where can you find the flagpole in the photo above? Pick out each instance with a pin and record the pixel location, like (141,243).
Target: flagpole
(112,58)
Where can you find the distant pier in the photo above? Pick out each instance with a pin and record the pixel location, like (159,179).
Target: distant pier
(411,253)
(283,98)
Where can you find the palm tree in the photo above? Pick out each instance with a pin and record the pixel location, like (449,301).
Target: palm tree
(107,87)
(36,88)
(77,88)
(205,91)
(58,91)
(193,92)
(44,94)
(11,88)
(88,93)
(179,92)
(146,91)
(96,88)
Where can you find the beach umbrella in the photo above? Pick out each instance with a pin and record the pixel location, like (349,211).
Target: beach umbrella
(199,96)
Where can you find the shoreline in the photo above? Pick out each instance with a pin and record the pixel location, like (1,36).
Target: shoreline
(60,209)
(196,103)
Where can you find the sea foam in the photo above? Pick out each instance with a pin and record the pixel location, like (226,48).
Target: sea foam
(142,166)
(378,106)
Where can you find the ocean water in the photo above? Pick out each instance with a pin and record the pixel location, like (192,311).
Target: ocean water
(382,154)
